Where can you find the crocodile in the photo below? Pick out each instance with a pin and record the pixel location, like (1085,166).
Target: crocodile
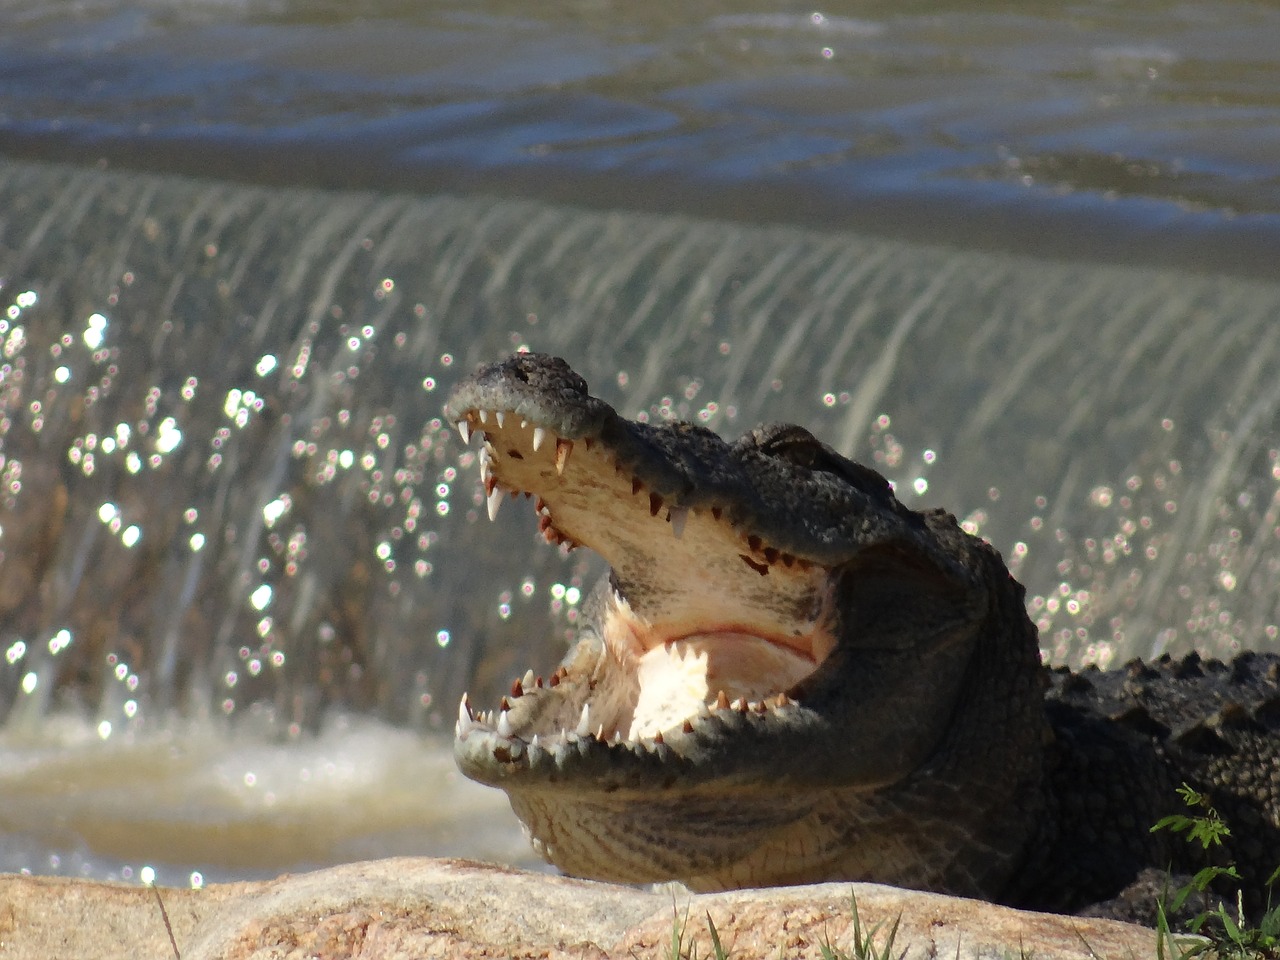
(788,676)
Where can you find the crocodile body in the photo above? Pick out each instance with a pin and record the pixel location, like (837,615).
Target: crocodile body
(788,677)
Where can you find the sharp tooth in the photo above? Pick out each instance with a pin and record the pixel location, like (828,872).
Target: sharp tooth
(584,721)
(484,417)
(533,742)
(528,680)
(494,501)
(539,434)
(465,723)
(499,416)
(563,449)
(678,517)
(464,431)
(504,725)
(524,424)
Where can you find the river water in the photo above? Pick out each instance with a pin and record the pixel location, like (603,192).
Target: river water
(1020,257)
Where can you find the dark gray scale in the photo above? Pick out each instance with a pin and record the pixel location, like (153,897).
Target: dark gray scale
(1122,741)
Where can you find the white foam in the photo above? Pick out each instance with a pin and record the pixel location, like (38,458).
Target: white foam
(237,805)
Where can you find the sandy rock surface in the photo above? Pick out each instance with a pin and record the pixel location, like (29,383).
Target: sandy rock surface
(422,908)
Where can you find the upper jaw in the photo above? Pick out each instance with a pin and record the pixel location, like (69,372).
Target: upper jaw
(791,499)
(683,561)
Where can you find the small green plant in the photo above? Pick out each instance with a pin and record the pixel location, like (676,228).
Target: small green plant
(864,940)
(721,953)
(864,946)
(679,927)
(1214,932)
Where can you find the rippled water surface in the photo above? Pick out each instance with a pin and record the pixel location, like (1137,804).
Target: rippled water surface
(979,123)
(1021,258)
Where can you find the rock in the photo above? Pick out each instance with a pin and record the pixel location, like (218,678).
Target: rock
(60,918)
(421,908)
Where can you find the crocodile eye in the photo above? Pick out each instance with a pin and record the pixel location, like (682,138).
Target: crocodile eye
(788,441)
(795,444)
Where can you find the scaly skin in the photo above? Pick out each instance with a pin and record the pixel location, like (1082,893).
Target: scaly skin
(790,677)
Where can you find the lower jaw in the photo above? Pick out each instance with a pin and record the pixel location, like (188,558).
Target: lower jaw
(597,756)
(614,717)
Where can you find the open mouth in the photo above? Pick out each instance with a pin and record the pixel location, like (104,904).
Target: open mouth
(700,615)
(763,688)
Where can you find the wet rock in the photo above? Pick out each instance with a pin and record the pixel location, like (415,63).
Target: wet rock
(420,908)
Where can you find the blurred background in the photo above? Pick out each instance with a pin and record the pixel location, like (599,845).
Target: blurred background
(1020,257)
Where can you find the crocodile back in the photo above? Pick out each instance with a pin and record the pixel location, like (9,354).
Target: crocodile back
(1122,741)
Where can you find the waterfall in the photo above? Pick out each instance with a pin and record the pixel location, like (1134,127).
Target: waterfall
(227,483)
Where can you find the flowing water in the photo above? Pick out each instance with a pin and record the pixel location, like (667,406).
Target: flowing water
(1022,259)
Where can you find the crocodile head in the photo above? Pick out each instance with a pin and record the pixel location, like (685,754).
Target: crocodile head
(785,671)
